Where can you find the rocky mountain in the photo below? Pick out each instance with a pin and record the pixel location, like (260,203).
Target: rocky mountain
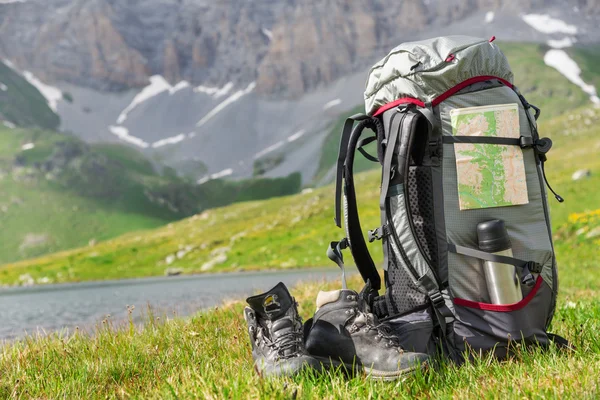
(287,47)
(234,83)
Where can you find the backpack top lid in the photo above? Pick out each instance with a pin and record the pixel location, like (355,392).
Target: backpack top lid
(426,69)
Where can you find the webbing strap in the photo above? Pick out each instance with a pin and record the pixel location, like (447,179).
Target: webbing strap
(386,173)
(523,141)
(482,255)
(354,232)
(362,143)
(346,131)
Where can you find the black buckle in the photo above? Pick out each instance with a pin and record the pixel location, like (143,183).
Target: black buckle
(534,267)
(377,233)
(437,299)
(379,307)
(529,268)
(526,142)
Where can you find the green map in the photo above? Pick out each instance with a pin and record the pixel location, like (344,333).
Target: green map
(489,175)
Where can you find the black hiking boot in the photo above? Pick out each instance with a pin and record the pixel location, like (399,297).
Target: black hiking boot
(276,334)
(344,332)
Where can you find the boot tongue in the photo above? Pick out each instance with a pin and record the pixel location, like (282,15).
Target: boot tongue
(272,304)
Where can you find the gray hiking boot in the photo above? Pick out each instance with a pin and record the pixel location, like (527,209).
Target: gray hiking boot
(276,334)
(344,332)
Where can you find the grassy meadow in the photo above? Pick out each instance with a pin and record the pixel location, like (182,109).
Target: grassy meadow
(208,356)
(57,192)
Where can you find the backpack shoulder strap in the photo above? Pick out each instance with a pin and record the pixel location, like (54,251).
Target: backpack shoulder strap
(349,143)
(346,132)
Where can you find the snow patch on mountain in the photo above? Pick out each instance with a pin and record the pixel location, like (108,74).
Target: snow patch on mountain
(267,33)
(123,133)
(332,103)
(296,136)
(169,140)
(546,24)
(228,101)
(178,87)
(562,43)
(560,60)
(9,64)
(489,17)
(28,146)
(52,94)
(214,91)
(3,87)
(157,85)
(268,149)
(9,124)
(221,174)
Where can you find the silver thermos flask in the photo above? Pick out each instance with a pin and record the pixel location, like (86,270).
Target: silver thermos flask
(502,279)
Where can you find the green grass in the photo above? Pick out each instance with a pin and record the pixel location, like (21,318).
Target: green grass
(294,231)
(22,104)
(68,193)
(208,356)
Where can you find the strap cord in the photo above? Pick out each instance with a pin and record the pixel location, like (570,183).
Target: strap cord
(334,252)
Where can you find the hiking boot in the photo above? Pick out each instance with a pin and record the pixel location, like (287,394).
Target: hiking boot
(276,334)
(345,332)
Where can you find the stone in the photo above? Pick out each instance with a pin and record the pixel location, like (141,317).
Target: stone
(173,271)
(594,233)
(581,174)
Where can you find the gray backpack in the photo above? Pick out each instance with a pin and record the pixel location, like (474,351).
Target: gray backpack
(469,263)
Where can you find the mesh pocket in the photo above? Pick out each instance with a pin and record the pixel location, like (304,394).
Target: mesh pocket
(420,202)
(401,294)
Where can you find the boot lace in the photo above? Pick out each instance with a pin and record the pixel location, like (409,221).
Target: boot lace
(371,323)
(288,344)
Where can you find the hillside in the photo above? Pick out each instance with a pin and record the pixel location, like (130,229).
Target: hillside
(294,231)
(59,192)
(22,104)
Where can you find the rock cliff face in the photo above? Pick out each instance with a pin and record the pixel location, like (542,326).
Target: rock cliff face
(288,47)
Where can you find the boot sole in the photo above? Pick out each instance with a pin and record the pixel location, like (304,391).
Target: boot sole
(370,372)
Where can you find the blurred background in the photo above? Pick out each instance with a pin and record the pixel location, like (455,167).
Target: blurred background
(124,115)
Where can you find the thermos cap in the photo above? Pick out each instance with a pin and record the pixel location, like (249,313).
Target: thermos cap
(492,236)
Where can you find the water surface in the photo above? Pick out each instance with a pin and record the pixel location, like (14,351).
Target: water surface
(56,307)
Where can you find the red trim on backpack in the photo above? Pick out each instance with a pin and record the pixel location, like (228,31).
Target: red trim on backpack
(443,96)
(450,58)
(502,307)
(404,100)
(492,39)
(464,84)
